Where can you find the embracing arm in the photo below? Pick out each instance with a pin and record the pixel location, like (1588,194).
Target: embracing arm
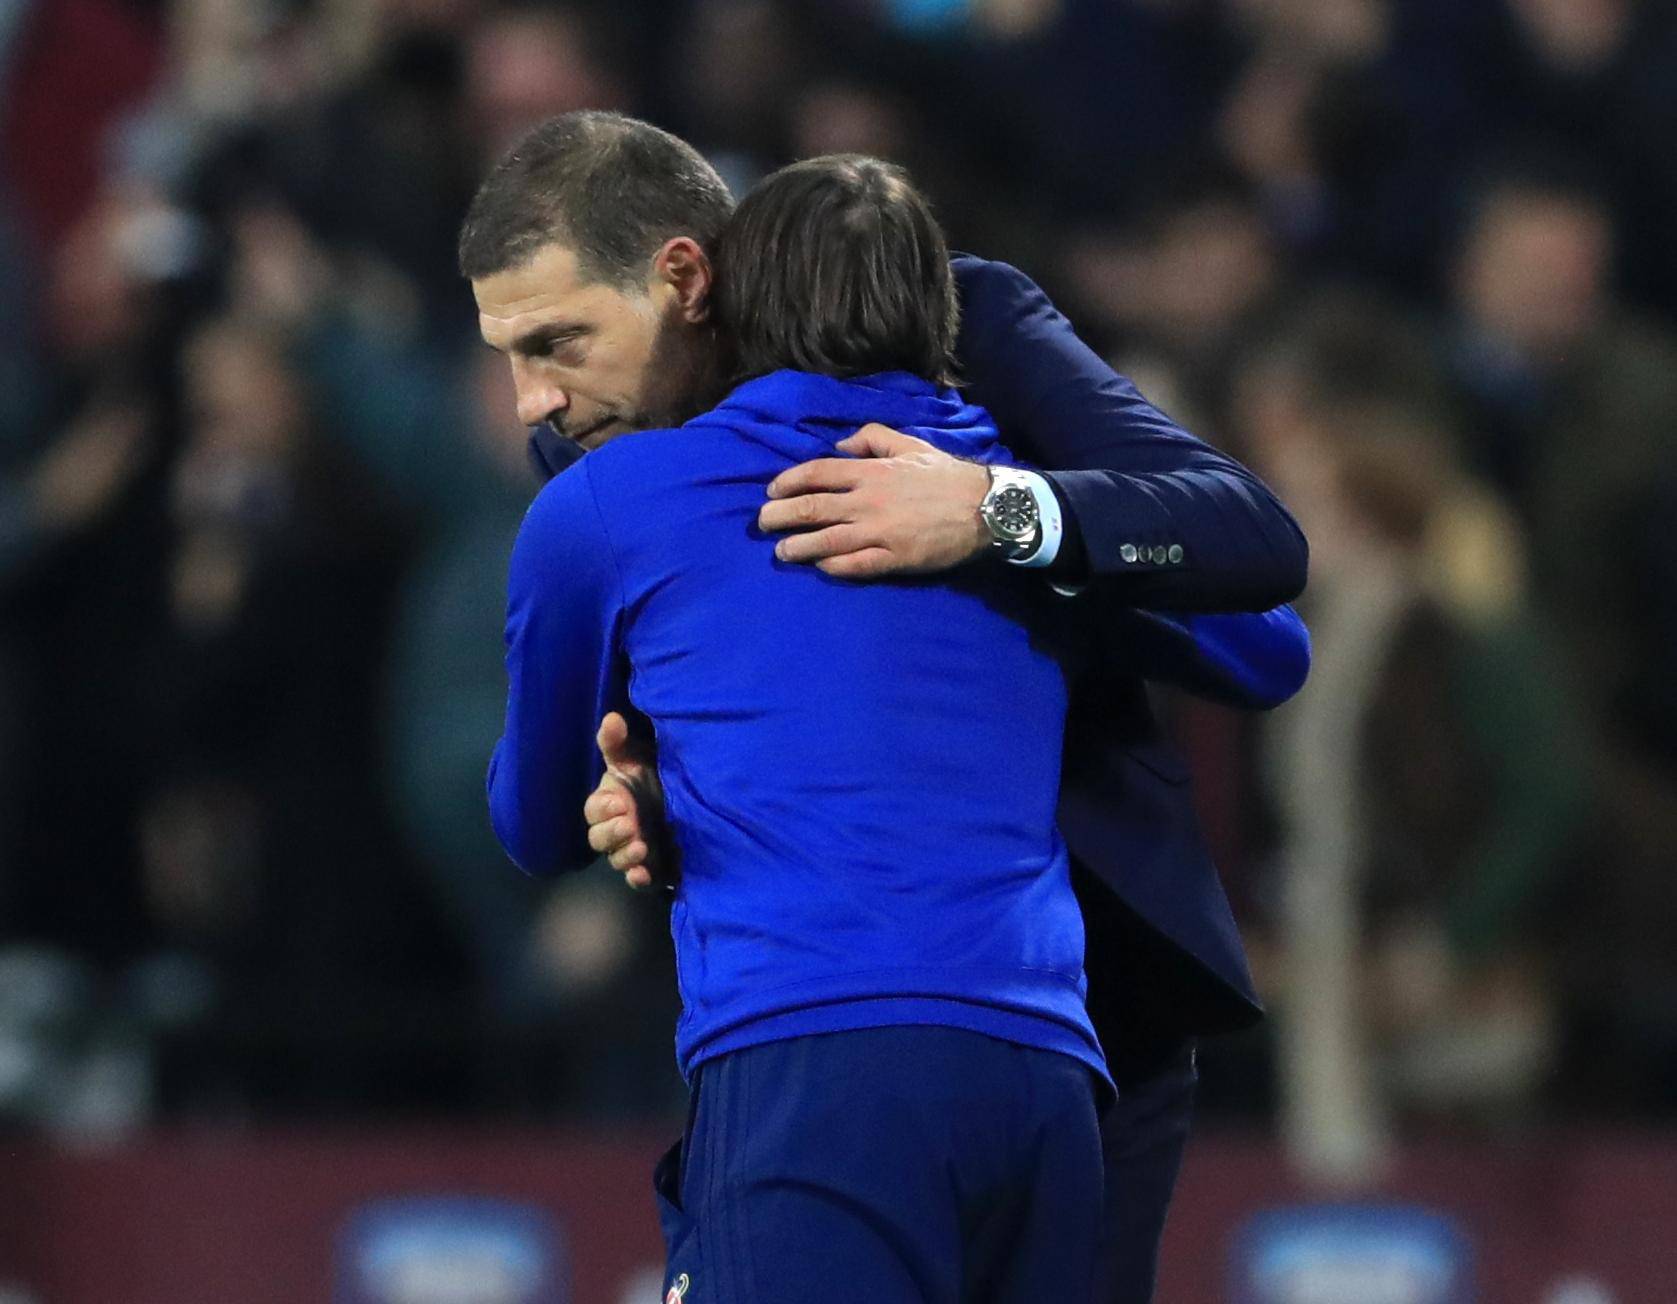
(564,673)
(1254,661)
(1154,517)
(1162,517)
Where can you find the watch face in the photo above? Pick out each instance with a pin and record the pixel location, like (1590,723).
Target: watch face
(1014,512)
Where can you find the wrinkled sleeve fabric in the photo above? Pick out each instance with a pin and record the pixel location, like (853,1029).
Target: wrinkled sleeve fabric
(1161,518)
(565,669)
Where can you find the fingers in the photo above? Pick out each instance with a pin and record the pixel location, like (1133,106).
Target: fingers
(614,835)
(612,812)
(628,857)
(613,740)
(865,563)
(620,841)
(806,512)
(875,440)
(830,474)
(819,544)
(607,800)
(612,815)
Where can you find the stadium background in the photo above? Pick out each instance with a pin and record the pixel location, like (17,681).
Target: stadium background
(260,960)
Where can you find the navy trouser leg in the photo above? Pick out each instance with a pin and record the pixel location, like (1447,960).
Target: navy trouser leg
(1143,1138)
(1041,1238)
(912,1165)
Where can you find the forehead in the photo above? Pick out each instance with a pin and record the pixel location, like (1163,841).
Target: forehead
(545,289)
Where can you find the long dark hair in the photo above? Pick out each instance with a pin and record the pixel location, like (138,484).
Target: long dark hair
(836,265)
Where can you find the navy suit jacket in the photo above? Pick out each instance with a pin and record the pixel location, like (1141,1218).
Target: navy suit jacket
(1166,522)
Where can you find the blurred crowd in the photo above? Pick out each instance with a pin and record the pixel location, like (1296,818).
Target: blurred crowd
(258,481)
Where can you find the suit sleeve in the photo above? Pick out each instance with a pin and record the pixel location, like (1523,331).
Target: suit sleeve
(1164,520)
(565,670)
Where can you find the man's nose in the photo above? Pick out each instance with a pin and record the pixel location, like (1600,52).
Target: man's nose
(538,396)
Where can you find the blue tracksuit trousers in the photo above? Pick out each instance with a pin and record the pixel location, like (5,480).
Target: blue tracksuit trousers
(897,1165)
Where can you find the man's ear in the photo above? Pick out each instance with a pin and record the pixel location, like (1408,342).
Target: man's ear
(685,267)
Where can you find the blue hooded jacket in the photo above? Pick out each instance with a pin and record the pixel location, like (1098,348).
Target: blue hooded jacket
(862,778)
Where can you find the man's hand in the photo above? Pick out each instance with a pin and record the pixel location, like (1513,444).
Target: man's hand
(894,506)
(625,813)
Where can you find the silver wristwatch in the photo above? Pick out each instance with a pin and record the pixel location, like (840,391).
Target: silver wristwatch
(1010,511)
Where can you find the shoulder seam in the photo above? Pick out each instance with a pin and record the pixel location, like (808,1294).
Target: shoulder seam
(605,531)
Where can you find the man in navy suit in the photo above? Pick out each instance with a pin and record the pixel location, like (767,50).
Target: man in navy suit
(1132,512)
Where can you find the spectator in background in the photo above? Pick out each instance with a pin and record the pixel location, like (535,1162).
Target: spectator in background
(741,64)
(1598,79)
(1576,396)
(1540,352)
(378,167)
(527,64)
(1301,50)
(262,855)
(79,546)
(1573,411)
(1173,296)
(1431,783)
(383,166)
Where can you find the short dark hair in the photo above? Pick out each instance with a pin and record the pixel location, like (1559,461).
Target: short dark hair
(836,265)
(611,188)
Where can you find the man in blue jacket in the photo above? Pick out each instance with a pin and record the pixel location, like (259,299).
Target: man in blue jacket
(1164,948)
(863,780)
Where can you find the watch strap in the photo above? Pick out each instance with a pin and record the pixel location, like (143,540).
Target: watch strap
(1050,523)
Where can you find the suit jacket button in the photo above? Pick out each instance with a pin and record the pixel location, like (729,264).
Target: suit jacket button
(1128,552)
(1175,554)
(1158,554)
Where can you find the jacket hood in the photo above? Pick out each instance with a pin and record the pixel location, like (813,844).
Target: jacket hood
(831,409)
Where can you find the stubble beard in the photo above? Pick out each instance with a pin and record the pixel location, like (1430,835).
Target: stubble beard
(683,373)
